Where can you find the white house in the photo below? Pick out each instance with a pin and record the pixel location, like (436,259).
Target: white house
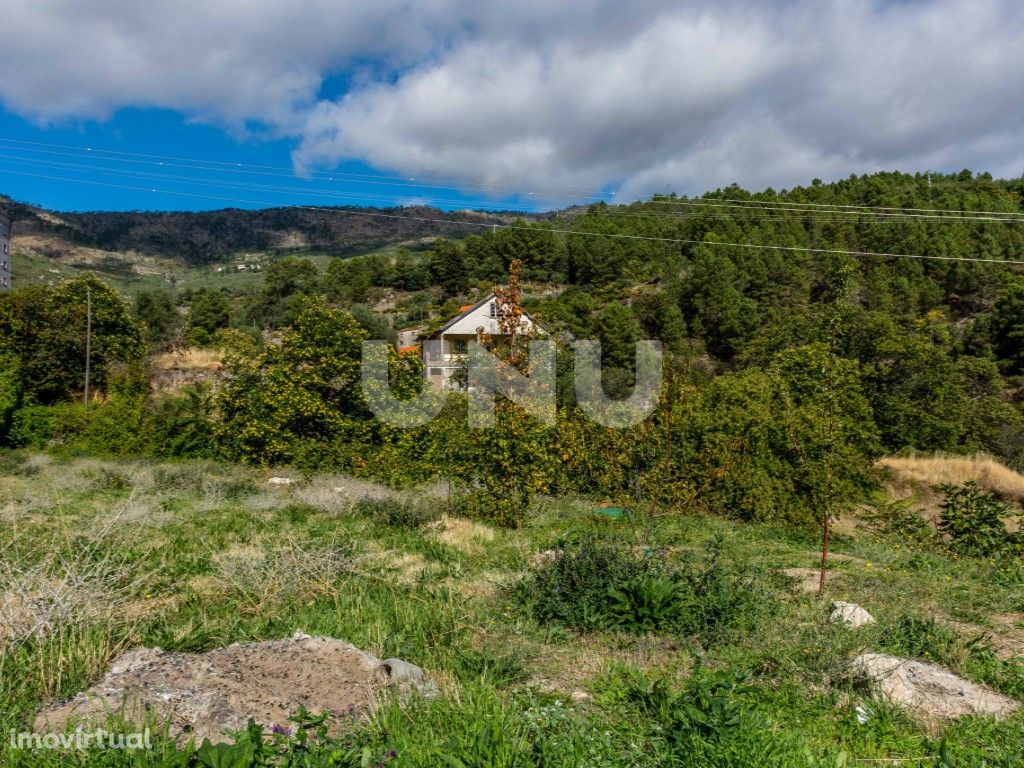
(472,321)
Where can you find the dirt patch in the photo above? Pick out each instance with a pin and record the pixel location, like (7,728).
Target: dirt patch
(567,669)
(204,695)
(932,693)
(1006,636)
(462,534)
(807,579)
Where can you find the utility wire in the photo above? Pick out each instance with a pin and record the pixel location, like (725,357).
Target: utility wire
(570,232)
(434,181)
(756,212)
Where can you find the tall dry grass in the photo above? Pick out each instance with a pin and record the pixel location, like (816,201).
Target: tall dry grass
(191,359)
(940,469)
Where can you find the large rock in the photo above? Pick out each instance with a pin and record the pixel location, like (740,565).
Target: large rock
(203,695)
(931,692)
(850,614)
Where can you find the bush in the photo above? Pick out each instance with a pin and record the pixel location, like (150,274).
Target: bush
(596,585)
(919,638)
(712,720)
(972,519)
(398,513)
(901,519)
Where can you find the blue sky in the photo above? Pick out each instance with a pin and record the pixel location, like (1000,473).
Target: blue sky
(527,104)
(153,159)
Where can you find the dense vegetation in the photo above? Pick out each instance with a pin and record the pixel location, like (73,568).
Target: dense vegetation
(787,372)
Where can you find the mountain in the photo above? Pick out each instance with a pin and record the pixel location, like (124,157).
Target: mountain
(136,249)
(196,238)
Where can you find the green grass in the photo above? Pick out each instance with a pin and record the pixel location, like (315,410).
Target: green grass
(516,691)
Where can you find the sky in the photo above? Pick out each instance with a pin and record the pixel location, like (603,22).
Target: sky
(523,105)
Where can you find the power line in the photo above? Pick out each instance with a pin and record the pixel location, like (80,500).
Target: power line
(791,214)
(570,232)
(435,181)
(208,182)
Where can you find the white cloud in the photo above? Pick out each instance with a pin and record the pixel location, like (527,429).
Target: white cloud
(532,95)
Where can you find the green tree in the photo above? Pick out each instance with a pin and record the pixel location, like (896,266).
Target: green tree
(618,330)
(375,324)
(1008,327)
(209,312)
(715,304)
(450,267)
(286,284)
(300,401)
(348,279)
(10,392)
(45,330)
(156,310)
(662,319)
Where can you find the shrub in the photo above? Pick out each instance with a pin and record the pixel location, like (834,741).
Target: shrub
(901,519)
(595,584)
(399,513)
(972,519)
(713,720)
(919,638)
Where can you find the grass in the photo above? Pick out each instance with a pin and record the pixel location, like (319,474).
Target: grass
(942,469)
(191,556)
(132,273)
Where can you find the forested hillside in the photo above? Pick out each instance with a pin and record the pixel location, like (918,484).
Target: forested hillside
(807,332)
(196,238)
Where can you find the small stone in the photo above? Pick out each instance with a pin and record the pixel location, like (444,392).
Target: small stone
(547,557)
(280,481)
(850,614)
(398,671)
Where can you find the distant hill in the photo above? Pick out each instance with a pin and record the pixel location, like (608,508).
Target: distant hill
(198,238)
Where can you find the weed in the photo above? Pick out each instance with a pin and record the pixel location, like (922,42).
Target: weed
(594,584)
(399,513)
(900,518)
(972,519)
(920,638)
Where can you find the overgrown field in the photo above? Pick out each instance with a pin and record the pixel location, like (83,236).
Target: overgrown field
(573,640)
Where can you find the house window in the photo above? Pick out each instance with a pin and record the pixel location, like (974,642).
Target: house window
(460,347)
(435,372)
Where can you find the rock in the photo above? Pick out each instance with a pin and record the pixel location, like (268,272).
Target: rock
(280,481)
(203,695)
(931,692)
(547,557)
(850,614)
(398,671)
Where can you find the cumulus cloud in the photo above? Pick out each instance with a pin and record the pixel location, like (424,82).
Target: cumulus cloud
(642,97)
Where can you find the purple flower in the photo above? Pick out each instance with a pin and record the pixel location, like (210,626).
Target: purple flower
(284,730)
